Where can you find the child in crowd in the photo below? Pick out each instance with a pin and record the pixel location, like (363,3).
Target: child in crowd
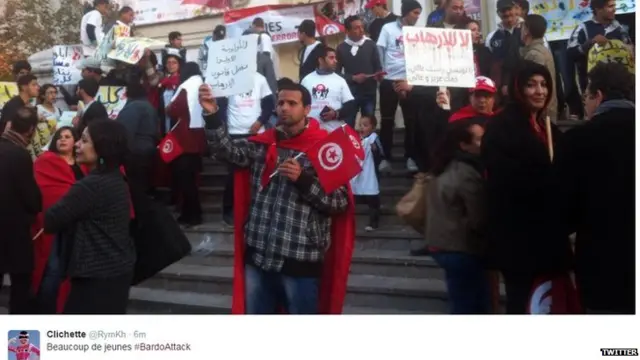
(365,185)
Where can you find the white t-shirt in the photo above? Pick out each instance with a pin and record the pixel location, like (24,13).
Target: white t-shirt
(245,109)
(392,41)
(94,18)
(326,90)
(366,182)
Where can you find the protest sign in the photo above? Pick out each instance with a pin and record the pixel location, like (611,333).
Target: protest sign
(439,57)
(66,59)
(66,119)
(131,49)
(564,15)
(7,91)
(113,98)
(232,65)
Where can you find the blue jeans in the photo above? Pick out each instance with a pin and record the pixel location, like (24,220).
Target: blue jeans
(268,292)
(467,282)
(365,104)
(51,279)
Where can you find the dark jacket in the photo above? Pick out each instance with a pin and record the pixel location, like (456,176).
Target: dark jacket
(310,65)
(9,110)
(456,207)
(595,183)
(376,26)
(141,121)
(98,207)
(483,59)
(366,61)
(522,237)
(21,201)
(95,111)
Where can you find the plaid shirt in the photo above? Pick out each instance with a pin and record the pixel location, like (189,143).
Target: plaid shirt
(286,220)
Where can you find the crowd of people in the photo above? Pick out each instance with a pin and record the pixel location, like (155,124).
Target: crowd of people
(506,188)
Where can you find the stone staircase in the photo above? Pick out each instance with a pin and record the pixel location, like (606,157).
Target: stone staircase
(383,279)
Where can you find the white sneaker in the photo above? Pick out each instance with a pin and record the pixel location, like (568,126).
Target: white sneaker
(384,166)
(411,165)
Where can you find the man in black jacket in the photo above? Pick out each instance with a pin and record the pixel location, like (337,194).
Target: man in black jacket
(21,202)
(93,109)
(310,50)
(28,89)
(599,204)
(358,62)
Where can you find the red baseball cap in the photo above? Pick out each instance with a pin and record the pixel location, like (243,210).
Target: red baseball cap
(483,83)
(371,3)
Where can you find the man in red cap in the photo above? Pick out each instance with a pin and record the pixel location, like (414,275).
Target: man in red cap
(383,16)
(481,100)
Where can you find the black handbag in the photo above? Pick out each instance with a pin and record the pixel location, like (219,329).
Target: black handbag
(158,238)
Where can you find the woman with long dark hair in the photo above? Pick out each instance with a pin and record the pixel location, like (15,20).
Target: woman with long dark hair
(455,226)
(55,172)
(100,256)
(189,132)
(522,242)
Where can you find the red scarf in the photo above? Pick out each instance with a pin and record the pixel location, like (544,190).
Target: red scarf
(170,82)
(54,178)
(539,131)
(333,284)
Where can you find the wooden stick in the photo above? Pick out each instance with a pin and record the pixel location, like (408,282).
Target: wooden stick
(547,125)
(38,234)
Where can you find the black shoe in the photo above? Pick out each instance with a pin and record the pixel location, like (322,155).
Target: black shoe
(423,251)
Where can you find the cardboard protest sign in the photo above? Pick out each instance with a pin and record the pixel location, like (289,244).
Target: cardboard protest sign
(113,98)
(66,59)
(439,57)
(612,51)
(131,49)
(232,65)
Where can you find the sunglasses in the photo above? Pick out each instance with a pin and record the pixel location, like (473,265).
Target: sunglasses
(23,337)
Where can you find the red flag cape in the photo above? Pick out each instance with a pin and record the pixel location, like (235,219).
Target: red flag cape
(54,178)
(337,260)
(554,295)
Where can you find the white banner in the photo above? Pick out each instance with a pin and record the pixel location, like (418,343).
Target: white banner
(232,65)
(279,23)
(439,57)
(66,59)
(158,11)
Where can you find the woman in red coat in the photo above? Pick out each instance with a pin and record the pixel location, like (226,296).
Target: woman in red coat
(190,136)
(55,172)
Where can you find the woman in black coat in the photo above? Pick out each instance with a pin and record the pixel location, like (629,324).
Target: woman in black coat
(522,243)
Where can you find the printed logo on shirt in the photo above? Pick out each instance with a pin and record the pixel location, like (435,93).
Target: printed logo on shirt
(319,92)
(398,51)
(246,100)
(247,94)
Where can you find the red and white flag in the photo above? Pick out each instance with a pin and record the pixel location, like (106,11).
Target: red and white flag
(334,160)
(170,149)
(356,141)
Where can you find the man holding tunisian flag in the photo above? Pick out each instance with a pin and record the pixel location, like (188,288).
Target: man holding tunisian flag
(294,211)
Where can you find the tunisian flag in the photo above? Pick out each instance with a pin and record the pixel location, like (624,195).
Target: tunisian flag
(170,148)
(337,260)
(554,295)
(334,159)
(356,141)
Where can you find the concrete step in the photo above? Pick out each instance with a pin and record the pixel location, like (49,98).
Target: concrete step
(160,301)
(216,175)
(389,196)
(414,294)
(364,262)
(392,237)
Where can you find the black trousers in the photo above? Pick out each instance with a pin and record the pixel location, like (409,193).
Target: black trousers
(227,199)
(99,295)
(21,299)
(185,170)
(373,201)
(389,102)
(518,287)
(139,168)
